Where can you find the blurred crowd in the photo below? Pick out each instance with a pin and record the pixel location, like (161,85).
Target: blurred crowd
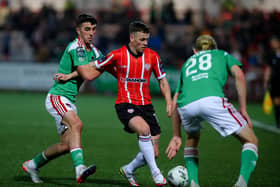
(42,36)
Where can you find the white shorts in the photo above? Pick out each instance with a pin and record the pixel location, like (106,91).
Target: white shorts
(57,106)
(217,111)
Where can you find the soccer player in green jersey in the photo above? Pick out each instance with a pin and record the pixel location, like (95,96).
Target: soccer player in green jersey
(60,101)
(199,96)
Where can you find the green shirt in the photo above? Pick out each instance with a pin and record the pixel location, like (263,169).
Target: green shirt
(74,55)
(204,74)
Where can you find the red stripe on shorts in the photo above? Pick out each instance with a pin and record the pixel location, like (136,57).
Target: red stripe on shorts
(57,106)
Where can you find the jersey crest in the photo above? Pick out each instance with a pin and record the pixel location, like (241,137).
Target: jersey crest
(147,66)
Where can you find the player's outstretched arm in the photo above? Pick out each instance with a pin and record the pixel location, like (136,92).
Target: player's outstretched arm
(165,90)
(175,142)
(89,72)
(240,84)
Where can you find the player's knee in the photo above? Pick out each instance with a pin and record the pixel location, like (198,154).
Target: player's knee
(253,139)
(78,125)
(145,131)
(65,148)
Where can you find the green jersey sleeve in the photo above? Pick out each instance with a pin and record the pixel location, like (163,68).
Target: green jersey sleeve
(231,61)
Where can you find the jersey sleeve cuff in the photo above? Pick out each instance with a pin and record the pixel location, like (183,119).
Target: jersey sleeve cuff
(162,76)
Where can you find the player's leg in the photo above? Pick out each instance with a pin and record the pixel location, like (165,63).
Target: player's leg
(225,119)
(75,126)
(275,94)
(190,120)
(52,152)
(140,126)
(155,142)
(191,157)
(249,155)
(276,102)
(138,162)
(32,166)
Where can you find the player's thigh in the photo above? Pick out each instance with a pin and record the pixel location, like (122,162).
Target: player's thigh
(72,119)
(139,125)
(247,135)
(149,115)
(222,115)
(57,106)
(190,119)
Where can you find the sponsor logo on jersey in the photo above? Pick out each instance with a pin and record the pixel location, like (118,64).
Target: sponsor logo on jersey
(80,52)
(200,76)
(81,59)
(135,80)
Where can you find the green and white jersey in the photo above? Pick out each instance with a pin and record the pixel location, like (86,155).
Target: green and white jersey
(204,74)
(74,55)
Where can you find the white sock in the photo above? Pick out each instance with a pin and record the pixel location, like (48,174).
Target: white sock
(137,162)
(146,147)
(32,164)
(78,170)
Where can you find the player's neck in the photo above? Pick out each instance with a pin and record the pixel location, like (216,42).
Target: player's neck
(133,50)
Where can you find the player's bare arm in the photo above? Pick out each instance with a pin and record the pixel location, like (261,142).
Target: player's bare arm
(165,90)
(241,91)
(175,142)
(65,77)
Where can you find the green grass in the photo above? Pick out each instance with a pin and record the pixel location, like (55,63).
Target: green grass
(26,129)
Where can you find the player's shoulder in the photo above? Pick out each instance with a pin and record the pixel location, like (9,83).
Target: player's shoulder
(73,45)
(150,51)
(220,52)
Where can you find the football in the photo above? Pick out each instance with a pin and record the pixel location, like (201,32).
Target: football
(178,176)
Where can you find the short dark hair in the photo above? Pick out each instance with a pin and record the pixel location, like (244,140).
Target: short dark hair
(82,18)
(138,26)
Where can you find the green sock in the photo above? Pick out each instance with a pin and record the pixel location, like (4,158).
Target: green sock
(77,157)
(40,160)
(248,163)
(192,167)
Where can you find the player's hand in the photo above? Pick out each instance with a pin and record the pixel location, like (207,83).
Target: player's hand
(247,118)
(173,147)
(61,77)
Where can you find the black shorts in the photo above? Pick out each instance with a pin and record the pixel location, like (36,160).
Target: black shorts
(127,111)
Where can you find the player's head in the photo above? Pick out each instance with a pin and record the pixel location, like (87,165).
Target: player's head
(86,27)
(274,43)
(205,42)
(139,34)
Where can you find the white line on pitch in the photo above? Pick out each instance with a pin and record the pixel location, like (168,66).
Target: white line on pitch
(265,126)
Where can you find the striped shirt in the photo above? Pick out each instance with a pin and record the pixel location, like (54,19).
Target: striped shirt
(133,73)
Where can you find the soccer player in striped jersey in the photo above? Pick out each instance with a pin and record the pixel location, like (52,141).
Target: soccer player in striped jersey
(60,101)
(199,96)
(134,63)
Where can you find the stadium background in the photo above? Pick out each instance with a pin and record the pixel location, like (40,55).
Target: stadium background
(33,35)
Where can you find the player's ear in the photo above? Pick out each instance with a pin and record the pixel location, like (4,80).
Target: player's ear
(194,50)
(131,37)
(78,30)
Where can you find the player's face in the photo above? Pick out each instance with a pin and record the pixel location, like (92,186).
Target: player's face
(86,32)
(139,41)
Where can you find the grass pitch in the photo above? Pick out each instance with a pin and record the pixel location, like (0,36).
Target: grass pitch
(26,129)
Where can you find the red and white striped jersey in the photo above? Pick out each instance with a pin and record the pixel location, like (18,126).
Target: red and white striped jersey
(133,73)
